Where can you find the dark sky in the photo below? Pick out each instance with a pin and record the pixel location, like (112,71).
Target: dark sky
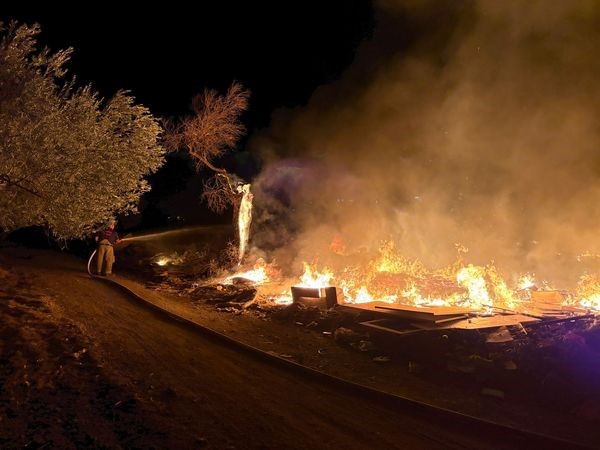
(280,50)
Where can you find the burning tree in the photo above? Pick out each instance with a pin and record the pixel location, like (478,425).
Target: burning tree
(212,130)
(68,159)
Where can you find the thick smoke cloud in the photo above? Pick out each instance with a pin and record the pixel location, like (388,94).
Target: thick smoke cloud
(468,122)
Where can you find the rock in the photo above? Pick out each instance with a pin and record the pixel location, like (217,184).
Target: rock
(346,335)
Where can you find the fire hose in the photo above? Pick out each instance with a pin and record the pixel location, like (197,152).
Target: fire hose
(390,400)
(90,261)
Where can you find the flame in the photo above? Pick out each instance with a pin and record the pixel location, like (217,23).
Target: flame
(283,299)
(315,279)
(362,295)
(244,219)
(526,282)
(392,278)
(414,296)
(501,292)
(588,292)
(391,261)
(591,302)
(472,278)
(258,275)
(162,261)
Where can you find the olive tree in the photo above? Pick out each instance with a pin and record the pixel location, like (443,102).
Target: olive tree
(69,160)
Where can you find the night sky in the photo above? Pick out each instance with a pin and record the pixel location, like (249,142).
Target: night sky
(281,51)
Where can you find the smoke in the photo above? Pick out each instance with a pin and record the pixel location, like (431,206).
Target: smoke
(469,122)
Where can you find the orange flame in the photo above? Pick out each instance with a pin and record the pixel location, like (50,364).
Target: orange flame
(315,279)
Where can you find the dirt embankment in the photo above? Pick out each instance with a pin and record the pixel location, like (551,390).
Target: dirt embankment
(53,392)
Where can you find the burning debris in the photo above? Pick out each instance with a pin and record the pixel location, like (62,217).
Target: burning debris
(391,279)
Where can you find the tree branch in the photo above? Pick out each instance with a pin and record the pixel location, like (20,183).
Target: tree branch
(6,180)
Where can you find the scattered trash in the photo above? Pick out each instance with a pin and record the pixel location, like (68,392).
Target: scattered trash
(346,335)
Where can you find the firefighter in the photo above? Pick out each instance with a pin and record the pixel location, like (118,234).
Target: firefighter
(106,239)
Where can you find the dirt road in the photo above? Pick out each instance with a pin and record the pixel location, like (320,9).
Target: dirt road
(193,392)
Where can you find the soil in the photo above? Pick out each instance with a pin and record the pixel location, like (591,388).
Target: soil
(83,366)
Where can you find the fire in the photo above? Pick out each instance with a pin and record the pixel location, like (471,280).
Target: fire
(244,219)
(472,278)
(392,278)
(162,261)
(526,282)
(362,295)
(413,295)
(283,299)
(391,261)
(588,292)
(258,275)
(312,278)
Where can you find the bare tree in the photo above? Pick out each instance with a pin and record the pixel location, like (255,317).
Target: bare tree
(213,130)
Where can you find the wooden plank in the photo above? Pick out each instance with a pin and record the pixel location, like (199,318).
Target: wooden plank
(379,325)
(449,319)
(433,310)
(478,323)
(429,318)
(377,310)
(554,307)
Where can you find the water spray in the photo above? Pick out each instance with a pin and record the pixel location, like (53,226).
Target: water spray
(150,236)
(244,219)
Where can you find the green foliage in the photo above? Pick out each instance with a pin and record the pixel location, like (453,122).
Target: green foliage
(69,161)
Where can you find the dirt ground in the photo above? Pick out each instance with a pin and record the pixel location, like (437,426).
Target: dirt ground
(81,366)
(547,380)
